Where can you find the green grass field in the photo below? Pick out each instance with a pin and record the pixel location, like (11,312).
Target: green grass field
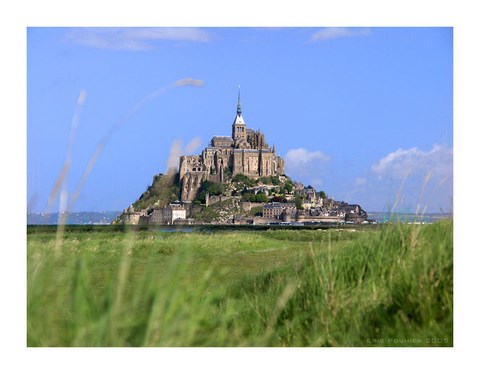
(386,286)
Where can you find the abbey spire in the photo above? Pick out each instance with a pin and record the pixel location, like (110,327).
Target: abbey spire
(239,106)
(239,128)
(238,118)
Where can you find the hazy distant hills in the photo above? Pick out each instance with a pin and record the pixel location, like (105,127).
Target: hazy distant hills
(382,217)
(76,218)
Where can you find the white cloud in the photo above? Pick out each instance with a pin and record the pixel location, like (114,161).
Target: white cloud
(301,163)
(188,82)
(339,32)
(414,162)
(133,38)
(300,156)
(360,181)
(407,180)
(317,182)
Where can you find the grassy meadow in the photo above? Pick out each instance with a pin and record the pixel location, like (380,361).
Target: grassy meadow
(389,285)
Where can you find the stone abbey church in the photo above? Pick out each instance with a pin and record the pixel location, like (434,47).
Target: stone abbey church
(245,152)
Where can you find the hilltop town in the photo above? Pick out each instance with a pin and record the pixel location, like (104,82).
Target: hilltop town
(237,179)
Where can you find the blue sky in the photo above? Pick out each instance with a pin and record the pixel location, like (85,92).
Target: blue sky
(365,114)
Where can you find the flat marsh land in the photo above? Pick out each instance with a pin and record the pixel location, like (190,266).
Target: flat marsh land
(389,285)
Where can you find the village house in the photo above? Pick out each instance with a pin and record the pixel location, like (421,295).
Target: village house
(168,215)
(156,217)
(276,210)
(174,211)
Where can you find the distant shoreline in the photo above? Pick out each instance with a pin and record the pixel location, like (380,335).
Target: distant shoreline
(105,218)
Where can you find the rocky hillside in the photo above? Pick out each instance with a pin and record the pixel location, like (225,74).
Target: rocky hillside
(212,202)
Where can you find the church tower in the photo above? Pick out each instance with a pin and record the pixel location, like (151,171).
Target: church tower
(239,128)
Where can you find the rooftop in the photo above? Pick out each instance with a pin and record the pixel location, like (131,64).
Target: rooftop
(279,205)
(222,137)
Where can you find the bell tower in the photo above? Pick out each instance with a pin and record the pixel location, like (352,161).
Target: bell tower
(239,128)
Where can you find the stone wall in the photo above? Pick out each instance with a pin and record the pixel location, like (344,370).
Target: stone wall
(247,206)
(264,220)
(321,219)
(217,199)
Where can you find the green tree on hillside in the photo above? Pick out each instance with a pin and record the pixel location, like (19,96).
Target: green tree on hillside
(261,197)
(227,172)
(275,180)
(299,202)
(255,198)
(247,196)
(288,186)
(214,189)
(243,179)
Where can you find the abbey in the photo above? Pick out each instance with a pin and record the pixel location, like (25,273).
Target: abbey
(244,152)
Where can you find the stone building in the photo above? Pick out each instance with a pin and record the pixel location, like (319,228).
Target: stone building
(156,217)
(132,217)
(244,152)
(168,215)
(279,210)
(174,211)
(310,195)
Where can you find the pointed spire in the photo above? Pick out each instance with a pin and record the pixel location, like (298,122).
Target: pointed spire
(239,106)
